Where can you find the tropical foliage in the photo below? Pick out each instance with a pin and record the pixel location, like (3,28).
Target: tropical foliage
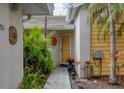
(37,58)
(106,15)
(101,14)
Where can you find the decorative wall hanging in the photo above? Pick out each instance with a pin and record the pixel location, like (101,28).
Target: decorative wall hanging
(12,35)
(53,41)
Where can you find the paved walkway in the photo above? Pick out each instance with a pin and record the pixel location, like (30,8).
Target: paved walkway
(58,79)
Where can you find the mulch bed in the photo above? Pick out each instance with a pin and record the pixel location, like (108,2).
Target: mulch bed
(95,83)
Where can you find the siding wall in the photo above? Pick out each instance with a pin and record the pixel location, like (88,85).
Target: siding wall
(105,46)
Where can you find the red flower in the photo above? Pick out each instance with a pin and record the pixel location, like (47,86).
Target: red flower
(70,60)
(117,54)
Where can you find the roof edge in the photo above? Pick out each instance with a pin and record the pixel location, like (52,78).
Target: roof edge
(72,12)
(50,8)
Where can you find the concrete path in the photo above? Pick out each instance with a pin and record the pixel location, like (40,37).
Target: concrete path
(58,79)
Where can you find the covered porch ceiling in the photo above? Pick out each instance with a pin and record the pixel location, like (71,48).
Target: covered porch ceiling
(60,27)
(51,27)
(57,23)
(37,8)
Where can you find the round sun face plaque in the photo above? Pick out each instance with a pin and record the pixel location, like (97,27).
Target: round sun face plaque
(12,35)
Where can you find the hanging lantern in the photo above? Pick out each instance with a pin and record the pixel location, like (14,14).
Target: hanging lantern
(53,41)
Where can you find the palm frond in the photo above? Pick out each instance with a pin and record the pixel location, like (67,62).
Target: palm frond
(103,27)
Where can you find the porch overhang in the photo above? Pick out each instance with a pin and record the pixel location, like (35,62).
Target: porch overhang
(37,9)
(52,23)
(53,27)
(61,27)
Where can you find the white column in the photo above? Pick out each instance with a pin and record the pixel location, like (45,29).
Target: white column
(84,39)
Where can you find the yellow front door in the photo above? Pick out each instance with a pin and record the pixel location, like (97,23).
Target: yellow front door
(65,48)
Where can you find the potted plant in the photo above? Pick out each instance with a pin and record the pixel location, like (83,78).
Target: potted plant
(71,67)
(70,60)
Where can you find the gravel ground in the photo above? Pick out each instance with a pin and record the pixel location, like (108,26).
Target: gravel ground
(95,84)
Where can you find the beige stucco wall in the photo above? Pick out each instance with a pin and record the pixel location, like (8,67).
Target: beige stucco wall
(56,50)
(11,56)
(82,39)
(4,47)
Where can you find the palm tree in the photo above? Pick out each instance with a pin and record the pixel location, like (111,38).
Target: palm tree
(106,15)
(112,78)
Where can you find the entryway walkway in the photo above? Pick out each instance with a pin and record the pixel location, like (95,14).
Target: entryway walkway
(58,79)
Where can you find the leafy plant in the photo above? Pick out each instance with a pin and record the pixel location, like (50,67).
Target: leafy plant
(37,58)
(36,51)
(33,80)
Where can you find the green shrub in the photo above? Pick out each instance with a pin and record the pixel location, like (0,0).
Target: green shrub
(33,80)
(37,58)
(36,51)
